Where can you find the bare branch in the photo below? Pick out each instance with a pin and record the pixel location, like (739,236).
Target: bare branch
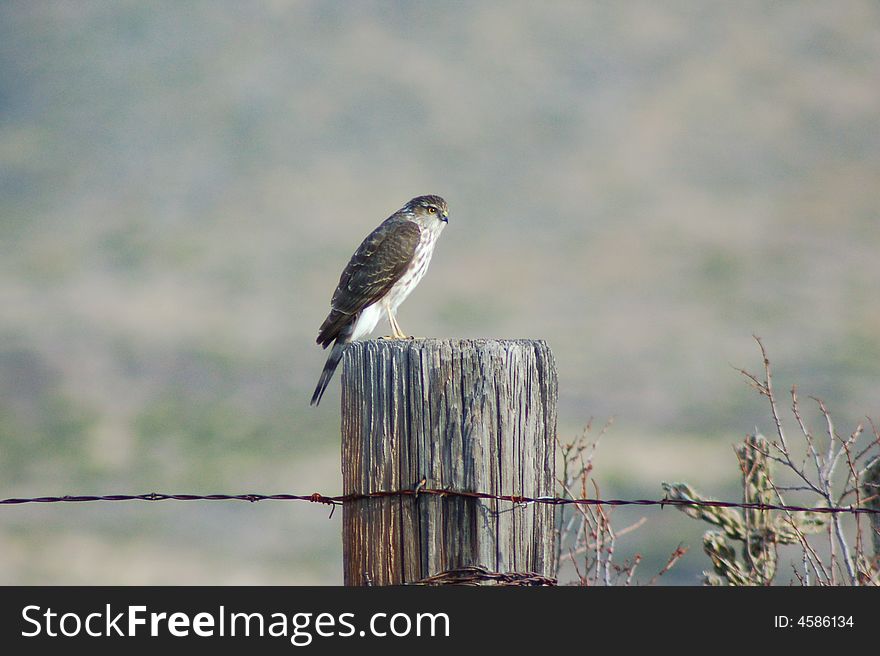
(680,551)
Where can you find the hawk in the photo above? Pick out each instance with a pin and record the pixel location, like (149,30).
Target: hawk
(383,271)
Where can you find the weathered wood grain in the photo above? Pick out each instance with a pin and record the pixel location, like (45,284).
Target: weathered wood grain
(469,415)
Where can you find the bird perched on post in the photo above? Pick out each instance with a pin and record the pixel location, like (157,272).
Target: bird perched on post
(383,271)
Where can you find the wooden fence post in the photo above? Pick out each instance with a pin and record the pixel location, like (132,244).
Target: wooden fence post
(461,415)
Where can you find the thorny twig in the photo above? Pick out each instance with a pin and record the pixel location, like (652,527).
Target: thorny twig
(825,483)
(587,533)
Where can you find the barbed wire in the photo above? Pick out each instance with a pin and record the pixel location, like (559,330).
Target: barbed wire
(476,575)
(339,500)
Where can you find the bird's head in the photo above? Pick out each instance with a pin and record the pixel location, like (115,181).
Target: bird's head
(426,210)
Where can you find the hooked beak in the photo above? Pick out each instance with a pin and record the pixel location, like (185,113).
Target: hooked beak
(444,216)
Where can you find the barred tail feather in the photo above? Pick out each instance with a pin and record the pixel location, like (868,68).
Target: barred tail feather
(332,361)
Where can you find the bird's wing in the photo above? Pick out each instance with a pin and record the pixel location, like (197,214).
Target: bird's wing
(378,263)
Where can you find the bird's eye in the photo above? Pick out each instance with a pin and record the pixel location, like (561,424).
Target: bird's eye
(432,210)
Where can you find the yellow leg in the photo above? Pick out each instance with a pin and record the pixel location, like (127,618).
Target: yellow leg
(396,332)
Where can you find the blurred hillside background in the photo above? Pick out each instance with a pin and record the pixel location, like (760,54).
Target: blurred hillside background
(643,184)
